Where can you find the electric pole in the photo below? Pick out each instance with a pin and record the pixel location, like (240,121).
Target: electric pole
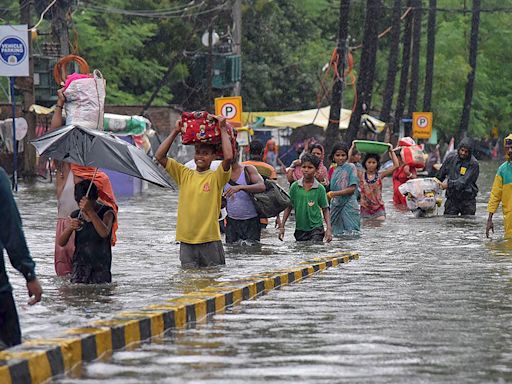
(26,86)
(237,38)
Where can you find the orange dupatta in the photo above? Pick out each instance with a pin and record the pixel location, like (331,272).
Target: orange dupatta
(105,191)
(266,150)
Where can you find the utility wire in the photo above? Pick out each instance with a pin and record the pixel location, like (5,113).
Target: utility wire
(146,12)
(40,18)
(160,14)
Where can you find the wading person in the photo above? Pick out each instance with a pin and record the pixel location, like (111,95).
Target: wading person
(243,223)
(199,200)
(372,204)
(256,150)
(309,200)
(294,173)
(458,176)
(13,241)
(345,216)
(92,227)
(271,155)
(266,171)
(67,176)
(501,192)
(401,175)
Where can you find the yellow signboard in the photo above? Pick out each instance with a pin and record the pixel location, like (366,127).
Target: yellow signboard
(230,108)
(421,125)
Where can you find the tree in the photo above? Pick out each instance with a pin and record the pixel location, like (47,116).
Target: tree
(404,71)
(429,66)
(415,62)
(283,53)
(389,90)
(366,68)
(333,129)
(473,51)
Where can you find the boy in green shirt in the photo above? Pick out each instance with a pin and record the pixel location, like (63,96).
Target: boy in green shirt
(309,200)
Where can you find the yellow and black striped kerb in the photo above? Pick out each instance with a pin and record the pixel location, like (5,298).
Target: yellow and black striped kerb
(36,361)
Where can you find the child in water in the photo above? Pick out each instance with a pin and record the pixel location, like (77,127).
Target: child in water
(310,202)
(372,205)
(92,258)
(345,217)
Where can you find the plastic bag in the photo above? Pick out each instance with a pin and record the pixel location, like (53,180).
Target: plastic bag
(85,101)
(413,156)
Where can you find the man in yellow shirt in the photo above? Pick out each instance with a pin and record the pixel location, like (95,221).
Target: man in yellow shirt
(502,192)
(199,200)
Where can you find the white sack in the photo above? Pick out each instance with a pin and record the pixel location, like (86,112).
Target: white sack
(85,102)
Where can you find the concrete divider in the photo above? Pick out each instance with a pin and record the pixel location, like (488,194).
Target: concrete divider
(37,361)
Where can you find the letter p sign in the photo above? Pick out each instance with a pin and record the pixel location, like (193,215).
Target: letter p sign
(228,111)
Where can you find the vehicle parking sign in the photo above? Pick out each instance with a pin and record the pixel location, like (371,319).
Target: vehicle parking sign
(422,125)
(14,55)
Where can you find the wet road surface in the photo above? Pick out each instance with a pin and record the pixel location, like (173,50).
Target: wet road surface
(430,300)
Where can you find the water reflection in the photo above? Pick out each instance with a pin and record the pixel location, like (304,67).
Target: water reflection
(86,296)
(500,247)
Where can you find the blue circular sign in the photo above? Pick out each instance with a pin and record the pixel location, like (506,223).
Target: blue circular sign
(13,50)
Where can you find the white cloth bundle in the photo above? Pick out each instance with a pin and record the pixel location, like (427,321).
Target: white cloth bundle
(85,101)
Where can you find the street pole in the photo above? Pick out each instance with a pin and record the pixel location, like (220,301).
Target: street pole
(209,75)
(237,38)
(26,87)
(14,142)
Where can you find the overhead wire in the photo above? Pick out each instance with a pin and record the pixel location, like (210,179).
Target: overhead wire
(41,17)
(159,14)
(145,12)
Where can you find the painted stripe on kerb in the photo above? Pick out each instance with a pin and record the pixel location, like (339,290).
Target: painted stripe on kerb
(37,361)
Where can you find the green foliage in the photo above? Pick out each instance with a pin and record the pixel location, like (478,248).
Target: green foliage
(282,56)
(285,44)
(130,52)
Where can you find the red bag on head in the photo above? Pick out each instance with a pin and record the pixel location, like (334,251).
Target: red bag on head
(406,142)
(413,156)
(199,127)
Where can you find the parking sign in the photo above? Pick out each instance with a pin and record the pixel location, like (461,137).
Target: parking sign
(230,108)
(14,55)
(422,125)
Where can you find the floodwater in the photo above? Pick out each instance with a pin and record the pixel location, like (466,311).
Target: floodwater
(429,300)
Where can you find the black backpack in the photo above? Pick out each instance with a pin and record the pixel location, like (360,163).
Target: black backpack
(272,201)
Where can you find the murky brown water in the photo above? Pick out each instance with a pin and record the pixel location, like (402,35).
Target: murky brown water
(430,300)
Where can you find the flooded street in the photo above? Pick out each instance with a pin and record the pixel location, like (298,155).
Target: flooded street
(429,300)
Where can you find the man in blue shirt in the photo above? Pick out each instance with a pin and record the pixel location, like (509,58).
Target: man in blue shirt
(13,241)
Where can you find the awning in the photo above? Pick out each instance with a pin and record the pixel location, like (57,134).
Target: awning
(318,117)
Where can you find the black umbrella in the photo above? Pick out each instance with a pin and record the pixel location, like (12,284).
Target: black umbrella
(99,149)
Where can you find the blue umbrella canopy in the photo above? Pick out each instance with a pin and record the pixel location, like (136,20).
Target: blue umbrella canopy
(99,149)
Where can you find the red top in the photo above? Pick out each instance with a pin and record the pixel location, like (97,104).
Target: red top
(399,178)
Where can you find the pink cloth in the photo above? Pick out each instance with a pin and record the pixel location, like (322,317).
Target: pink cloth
(73,77)
(63,255)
